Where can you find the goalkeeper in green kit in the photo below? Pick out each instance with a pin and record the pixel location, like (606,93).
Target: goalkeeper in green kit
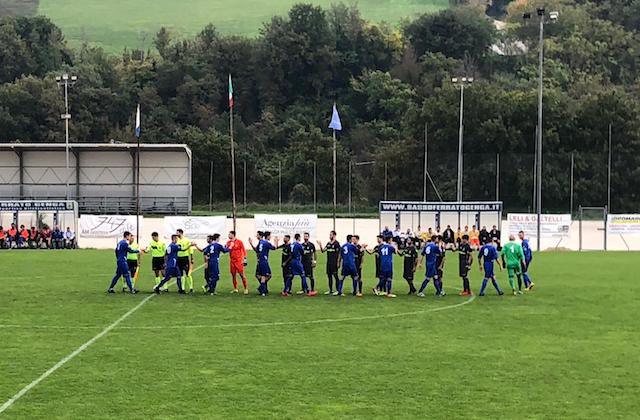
(514,256)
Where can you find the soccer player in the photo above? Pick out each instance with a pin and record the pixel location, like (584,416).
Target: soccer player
(430,252)
(386,251)
(440,260)
(122,269)
(212,254)
(157,248)
(185,259)
(528,256)
(410,254)
(486,256)
(465,259)
(381,286)
(333,250)
(287,277)
(512,253)
(172,268)
(309,259)
(133,260)
(264,271)
(237,261)
(347,259)
(359,263)
(297,268)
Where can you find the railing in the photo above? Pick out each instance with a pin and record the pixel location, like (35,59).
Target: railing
(127,205)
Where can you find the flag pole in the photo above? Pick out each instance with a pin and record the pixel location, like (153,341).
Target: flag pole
(334,179)
(138,132)
(233,159)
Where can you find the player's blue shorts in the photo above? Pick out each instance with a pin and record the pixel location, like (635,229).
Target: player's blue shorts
(214,272)
(432,271)
(122,268)
(263,268)
(386,273)
(349,270)
(296,268)
(488,270)
(173,272)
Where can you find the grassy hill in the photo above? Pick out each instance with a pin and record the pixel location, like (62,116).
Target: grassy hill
(115,24)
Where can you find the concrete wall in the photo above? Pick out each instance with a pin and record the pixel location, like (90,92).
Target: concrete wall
(368,229)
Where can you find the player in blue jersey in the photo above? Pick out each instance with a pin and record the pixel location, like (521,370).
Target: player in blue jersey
(430,252)
(381,287)
(122,268)
(297,268)
(264,271)
(172,269)
(348,260)
(212,253)
(528,256)
(486,256)
(386,251)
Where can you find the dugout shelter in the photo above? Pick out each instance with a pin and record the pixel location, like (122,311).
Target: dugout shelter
(440,214)
(101,177)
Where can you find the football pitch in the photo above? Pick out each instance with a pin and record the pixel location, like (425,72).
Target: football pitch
(116,24)
(569,348)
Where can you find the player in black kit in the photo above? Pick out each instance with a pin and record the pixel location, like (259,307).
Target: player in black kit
(465,259)
(333,251)
(309,259)
(286,262)
(410,254)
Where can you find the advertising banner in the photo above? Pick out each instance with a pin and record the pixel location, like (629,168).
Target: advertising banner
(107,226)
(550,224)
(195,227)
(283,224)
(623,224)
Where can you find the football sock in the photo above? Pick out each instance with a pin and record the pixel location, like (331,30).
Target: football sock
(178,283)
(381,284)
(388,287)
(495,284)
(114,281)
(339,286)
(158,280)
(235,283)
(355,286)
(424,285)
(359,285)
(519,282)
(189,281)
(129,285)
(513,287)
(313,283)
(436,283)
(527,280)
(305,286)
(330,283)
(465,283)
(287,285)
(484,286)
(244,282)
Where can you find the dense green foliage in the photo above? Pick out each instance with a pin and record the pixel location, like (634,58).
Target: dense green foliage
(388,83)
(568,349)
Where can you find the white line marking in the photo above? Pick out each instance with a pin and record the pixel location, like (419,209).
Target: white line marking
(77,351)
(258,324)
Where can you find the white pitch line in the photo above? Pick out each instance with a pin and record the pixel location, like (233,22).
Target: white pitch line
(77,351)
(260,324)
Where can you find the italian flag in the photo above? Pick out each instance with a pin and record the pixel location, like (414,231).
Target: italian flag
(230,93)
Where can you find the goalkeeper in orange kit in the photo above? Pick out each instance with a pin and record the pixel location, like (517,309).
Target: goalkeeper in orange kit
(238,260)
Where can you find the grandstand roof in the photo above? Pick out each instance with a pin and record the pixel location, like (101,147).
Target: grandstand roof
(94,147)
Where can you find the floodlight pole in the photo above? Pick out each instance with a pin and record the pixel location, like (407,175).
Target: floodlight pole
(462,82)
(424,181)
(334,179)
(609,173)
(539,151)
(66,81)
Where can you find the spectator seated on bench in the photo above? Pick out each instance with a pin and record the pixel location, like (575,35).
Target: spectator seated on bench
(69,239)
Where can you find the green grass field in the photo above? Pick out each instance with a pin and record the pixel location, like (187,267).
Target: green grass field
(115,24)
(567,349)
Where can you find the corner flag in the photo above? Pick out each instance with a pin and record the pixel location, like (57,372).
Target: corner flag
(335,120)
(138,122)
(230,93)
